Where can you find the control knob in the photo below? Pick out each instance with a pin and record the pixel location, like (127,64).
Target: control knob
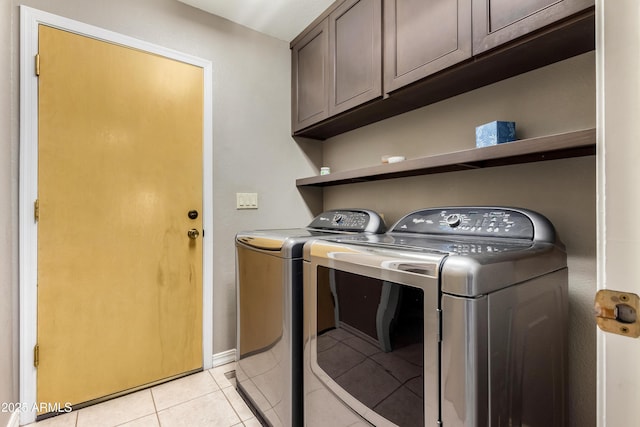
(453,220)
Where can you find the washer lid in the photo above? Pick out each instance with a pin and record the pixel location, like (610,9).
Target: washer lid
(288,242)
(277,239)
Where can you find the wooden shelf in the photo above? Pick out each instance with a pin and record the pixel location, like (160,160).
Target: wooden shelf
(572,144)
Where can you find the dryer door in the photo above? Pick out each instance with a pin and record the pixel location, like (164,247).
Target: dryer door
(371,318)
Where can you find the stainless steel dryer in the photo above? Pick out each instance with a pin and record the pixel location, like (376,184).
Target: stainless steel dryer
(269,295)
(456,317)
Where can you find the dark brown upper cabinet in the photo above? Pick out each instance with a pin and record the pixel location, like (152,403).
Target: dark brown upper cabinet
(496,22)
(423,37)
(309,77)
(355,54)
(431,50)
(337,65)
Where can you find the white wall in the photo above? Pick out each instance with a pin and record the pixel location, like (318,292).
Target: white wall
(253,151)
(555,99)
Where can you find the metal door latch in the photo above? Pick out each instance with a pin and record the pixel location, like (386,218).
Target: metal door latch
(617,312)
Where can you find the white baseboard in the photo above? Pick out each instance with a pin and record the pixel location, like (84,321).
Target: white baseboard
(225,357)
(14,420)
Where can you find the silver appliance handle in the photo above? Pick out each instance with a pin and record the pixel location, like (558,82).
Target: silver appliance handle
(423,264)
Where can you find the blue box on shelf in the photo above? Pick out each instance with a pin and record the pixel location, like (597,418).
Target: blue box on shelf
(495,133)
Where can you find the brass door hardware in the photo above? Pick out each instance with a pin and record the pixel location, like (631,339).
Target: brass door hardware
(617,312)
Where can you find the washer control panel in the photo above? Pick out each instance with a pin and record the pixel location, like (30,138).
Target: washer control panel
(480,222)
(355,220)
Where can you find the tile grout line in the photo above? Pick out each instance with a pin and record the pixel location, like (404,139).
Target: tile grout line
(186,401)
(155,411)
(153,399)
(232,386)
(225,396)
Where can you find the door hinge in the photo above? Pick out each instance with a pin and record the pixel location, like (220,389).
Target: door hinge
(36,355)
(37,64)
(36,210)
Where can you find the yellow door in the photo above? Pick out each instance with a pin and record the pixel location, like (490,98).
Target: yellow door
(120,170)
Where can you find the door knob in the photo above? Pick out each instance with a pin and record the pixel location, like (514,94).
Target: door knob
(193,233)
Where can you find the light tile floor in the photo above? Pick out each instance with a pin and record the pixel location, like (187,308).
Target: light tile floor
(207,398)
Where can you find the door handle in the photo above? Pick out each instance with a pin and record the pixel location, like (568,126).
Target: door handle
(193,234)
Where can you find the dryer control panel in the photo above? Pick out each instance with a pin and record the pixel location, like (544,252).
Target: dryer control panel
(476,222)
(356,220)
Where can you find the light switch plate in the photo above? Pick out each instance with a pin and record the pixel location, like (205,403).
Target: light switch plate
(246,200)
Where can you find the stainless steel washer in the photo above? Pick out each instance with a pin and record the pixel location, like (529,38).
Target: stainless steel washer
(456,317)
(269,295)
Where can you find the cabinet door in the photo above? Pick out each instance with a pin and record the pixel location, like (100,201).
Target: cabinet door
(423,37)
(309,79)
(498,21)
(355,54)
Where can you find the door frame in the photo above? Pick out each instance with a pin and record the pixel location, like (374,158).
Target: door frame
(30,19)
(617,67)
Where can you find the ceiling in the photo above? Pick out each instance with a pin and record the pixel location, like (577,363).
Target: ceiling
(282,19)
